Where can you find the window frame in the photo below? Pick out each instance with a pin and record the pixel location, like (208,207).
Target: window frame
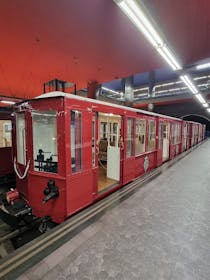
(138,134)
(80,148)
(23,138)
(40,112)
(154,133)
(131,138)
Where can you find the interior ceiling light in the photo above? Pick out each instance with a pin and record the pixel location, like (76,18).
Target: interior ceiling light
(7,102)
(140,20)
(203,66)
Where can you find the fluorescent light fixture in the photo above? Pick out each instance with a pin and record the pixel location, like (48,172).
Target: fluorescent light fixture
(162,53)
(133,11)
(200,98)
(7,102)
(203,66)
(189,83)
(205,105)
(171,57)
(208,110)
(200,78)
(136,14)
(141,89)
(111,90)
(140,20)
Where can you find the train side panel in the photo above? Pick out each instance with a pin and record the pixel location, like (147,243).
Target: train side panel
(6,165)
(77,151)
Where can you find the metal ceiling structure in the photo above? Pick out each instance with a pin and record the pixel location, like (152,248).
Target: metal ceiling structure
(168,88)
(80,41)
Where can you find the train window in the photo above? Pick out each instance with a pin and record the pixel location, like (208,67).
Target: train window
(103,130)
(93,141)
(140,136)
(21,138)
(76,141)
(176,134)
(130,138)
(45,141)
(5,133)
(160,135)
(151,135)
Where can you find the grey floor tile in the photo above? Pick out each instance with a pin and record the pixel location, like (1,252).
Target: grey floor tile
(37,271)
(162,232)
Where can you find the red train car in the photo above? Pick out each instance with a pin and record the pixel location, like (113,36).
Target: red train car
(71,151)
(6,162)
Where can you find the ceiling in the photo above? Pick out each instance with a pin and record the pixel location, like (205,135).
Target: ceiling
(82,40)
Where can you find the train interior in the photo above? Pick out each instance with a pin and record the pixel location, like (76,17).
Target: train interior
(109,127)
(5,133)
(6,167)
(45,141)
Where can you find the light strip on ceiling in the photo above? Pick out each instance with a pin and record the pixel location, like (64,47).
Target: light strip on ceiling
(111,90)
(161,52)
(133,11)
(171,57)
(203,66)
(7,102)
(208,110)
(205,105)
(189,83)
(141,89)
(140,20)
(200,98)
(200,78)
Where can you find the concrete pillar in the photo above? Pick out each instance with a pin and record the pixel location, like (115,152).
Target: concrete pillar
(127,87)
(151,83)
(150,106)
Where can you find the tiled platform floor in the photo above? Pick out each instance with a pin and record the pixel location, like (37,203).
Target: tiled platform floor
(161,232)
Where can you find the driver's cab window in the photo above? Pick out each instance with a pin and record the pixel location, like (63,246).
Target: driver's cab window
(45,141)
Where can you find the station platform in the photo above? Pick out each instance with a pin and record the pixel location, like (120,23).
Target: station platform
(160,232)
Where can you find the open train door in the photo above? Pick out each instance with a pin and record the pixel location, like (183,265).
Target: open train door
(108,150)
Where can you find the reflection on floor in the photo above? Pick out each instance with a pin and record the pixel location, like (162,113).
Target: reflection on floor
(103,181)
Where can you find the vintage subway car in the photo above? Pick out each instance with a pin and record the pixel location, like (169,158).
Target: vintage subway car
(71,151)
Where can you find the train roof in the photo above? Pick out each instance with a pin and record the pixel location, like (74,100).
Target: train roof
(72,96)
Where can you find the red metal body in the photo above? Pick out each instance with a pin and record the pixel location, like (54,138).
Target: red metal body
(175,138)
(6,165)
(79,189)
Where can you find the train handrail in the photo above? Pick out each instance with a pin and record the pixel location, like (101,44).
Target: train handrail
(21,177)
